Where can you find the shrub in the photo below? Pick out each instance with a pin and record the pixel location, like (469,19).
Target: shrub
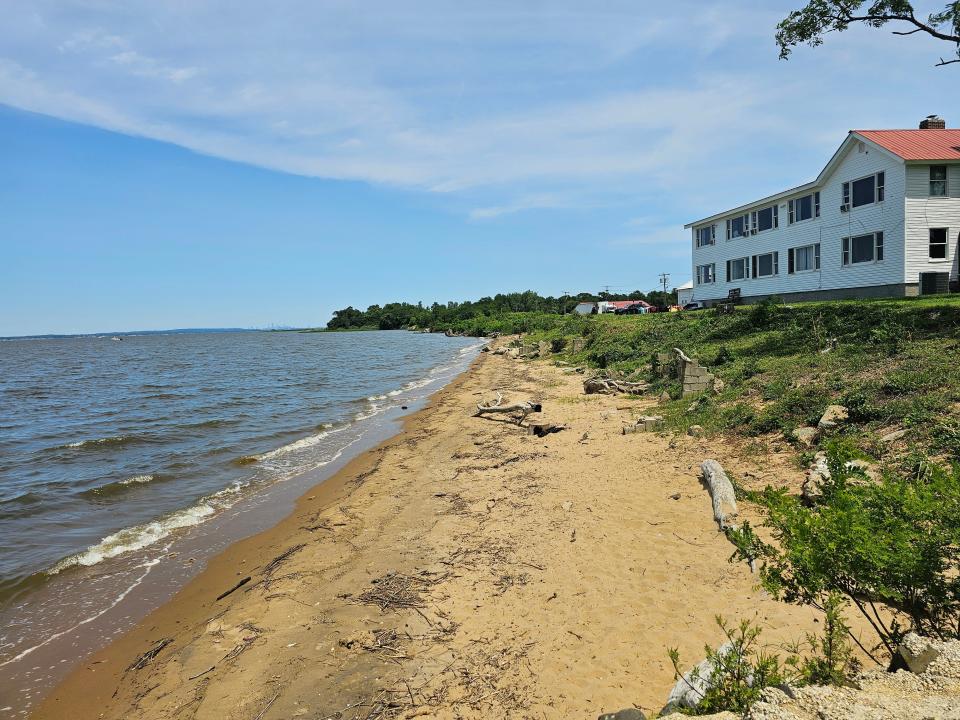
(895,542)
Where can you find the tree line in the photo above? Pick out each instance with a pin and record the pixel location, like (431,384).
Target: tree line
(394,316)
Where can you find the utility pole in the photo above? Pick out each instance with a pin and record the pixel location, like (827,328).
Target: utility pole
(563,303)
(664,279)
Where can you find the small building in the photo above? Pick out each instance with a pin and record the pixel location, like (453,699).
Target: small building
(685,293)
(882,219)
(586,308)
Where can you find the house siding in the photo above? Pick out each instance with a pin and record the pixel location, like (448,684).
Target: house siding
(924,212)
(860,159)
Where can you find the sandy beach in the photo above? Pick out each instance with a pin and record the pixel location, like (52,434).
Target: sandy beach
(462,569)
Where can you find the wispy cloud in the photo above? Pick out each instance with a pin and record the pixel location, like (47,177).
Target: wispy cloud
(515,107)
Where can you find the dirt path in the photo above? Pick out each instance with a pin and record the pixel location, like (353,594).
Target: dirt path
(517,576)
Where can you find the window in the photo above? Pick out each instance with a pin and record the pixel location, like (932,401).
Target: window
(766,265)
(738,269)
(863,249)
(765,219)
(938,181)
(706,235)
(705,274)
(803,208)
(738,226)
(938,243)
(803,259)
(864,191)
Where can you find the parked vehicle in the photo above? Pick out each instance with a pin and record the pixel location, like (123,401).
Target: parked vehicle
(695,305)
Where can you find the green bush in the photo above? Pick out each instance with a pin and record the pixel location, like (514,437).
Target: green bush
(894,542)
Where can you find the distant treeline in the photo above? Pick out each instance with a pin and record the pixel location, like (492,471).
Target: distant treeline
(394,316)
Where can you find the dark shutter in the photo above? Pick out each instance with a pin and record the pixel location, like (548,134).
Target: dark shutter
(790,261)
(727,276)
(816,252)
(879,244)
(753,266)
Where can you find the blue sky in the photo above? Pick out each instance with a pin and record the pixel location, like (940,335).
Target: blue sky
(183,164)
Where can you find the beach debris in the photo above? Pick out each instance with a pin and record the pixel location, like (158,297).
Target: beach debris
(892,437)
(497,406)
(721,492)
(612,386)
(645,423)
(396,591)
(236,587)
(143,660)
(543,429)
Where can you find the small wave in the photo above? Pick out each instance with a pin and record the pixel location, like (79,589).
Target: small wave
(301,444)
(118,486)
(136,537)
(100,442)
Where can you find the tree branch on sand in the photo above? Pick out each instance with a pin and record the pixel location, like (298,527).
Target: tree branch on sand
(497,406)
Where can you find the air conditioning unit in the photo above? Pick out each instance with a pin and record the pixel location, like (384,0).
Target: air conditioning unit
(844,208)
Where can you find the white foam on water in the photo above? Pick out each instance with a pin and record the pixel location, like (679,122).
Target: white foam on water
(136,537)
(302,443)
(148,566)
(137,480)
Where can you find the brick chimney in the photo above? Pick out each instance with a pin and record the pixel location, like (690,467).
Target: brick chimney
(933,122)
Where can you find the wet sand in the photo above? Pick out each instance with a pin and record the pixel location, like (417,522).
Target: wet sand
(462,569)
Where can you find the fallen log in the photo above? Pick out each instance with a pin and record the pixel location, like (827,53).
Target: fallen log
(543,429)
(721,492)
(524,408)
(611,386)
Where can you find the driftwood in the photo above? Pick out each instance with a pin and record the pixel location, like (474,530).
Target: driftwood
(721,492)
(542,429)
(610,386)
(236,587)
(497,406)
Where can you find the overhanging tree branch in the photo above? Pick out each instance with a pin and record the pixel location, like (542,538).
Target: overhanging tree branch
(819,17)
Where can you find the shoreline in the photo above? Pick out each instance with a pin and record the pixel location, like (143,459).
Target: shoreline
(461,568)
(195,594)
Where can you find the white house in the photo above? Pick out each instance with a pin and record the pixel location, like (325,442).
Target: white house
(685,293)
(882,219)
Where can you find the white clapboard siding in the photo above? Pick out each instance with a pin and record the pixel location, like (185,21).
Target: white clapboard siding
(857,160)
(924,212)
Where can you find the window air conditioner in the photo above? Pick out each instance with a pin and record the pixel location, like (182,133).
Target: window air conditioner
(844,208)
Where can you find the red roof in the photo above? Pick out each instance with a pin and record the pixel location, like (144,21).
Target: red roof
(623,304)
(917,144)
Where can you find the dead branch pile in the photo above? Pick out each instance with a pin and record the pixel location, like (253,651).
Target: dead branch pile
(612,386)
(522,409)
(395,591)
(142,660)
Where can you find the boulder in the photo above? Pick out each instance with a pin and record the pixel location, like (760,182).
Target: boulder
(817,475)
(664,397)
(692,687)
(917,652)
(893,436)
(695,431)
(718,385)
(833,416)
(806,436)
(626,714)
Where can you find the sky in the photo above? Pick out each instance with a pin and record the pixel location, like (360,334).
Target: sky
(202,163)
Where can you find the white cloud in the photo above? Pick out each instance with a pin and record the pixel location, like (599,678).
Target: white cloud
(514,107)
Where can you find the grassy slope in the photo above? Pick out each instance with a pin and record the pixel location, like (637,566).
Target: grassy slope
(893,363)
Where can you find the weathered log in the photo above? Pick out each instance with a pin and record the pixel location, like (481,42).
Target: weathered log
(524,408)
(610,386)
(542,429)
(721,492)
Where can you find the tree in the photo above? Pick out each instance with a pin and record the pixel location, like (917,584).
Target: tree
(819,17)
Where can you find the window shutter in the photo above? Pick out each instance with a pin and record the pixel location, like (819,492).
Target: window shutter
(790,213)
(790,264)
(776,216)
(880,179)
(776,263)
(753,266)
(816,252)
(846,251)
(727,276)
(713,233)
(879,241)
(816,204)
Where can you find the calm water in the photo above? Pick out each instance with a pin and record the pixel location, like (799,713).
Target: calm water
(112,451)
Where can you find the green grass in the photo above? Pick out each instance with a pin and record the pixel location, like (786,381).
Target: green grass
(891,362)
